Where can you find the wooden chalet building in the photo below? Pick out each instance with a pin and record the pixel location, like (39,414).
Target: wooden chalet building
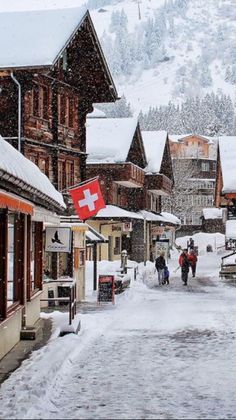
(27,199)
(194,166)
(159,180)
(117,154)
(52,62)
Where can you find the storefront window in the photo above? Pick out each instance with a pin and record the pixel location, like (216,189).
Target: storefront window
(10,260)
(32,257)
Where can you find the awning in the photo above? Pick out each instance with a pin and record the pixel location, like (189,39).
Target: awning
(93,237)
(12,202)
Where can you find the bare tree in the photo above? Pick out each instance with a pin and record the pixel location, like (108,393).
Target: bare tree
(180,202)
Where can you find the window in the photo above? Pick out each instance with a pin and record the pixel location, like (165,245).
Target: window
(205,166)
(43,165)
(117,245)
(10,260)
(214,166)
(36,102)
(61,175)
(62,109)
(45,102)
(34,278)
(71,113)
(69,174)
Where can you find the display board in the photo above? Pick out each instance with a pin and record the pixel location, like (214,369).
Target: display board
(106,288)
(162,246)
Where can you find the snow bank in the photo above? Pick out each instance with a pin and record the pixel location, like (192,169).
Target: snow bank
(216,240)
(212,213)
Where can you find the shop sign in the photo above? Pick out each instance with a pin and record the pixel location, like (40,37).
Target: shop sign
(162,247)
(116,228)
(58,239)
(127,227)
(106,288)
(157,230)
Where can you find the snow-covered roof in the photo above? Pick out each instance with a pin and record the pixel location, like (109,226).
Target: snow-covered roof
(171,218)
(15,164)
(34,38)
(97,113)
(154,145)
(212,213)
(227,148)
(109,139)
(114,212)
(230,229)
(151,217)
(93,236)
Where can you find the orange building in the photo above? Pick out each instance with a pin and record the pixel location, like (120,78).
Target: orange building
(192,145)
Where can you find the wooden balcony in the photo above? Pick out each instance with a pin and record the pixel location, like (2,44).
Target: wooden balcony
(158,184)
(124,174)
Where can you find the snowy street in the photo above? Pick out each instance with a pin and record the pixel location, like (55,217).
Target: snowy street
(160,352)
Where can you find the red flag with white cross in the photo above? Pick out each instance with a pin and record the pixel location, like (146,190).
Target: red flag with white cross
(87,199)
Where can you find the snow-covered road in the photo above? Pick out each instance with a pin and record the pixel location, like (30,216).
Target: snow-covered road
(166,352)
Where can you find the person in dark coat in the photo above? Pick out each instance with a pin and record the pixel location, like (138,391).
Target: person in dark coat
(191,244)
(193,261)
(160,264)
(184,264)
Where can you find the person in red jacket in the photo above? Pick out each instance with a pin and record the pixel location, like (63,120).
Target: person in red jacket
(184,264)
(193,261)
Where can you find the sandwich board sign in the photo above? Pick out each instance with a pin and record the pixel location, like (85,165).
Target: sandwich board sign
(106,289)
(58,239)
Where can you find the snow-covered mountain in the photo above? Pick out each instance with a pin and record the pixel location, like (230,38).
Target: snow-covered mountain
(162,50)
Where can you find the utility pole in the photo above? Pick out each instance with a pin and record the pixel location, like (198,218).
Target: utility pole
(139,9)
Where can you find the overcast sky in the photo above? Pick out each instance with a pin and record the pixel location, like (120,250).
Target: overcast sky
(12,5)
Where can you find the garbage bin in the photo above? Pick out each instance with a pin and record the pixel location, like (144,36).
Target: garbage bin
(63,291)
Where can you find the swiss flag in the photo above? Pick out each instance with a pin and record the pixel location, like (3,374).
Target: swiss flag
(88,199)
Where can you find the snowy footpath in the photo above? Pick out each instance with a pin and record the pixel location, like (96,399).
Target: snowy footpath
(160,352)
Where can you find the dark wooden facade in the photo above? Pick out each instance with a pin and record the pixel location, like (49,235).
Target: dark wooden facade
(55,102)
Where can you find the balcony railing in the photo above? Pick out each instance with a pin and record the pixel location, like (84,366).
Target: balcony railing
(158,183)
(125,174)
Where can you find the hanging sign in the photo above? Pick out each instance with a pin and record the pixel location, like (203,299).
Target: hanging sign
(58,239)
(127,227)
(106,289)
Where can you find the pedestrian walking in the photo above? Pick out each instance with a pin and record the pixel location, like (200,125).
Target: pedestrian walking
(193,261)
(160,264)
(184,264)
(166,275)
(190,244)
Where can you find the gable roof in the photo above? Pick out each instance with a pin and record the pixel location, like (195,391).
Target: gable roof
(154,145)
(227,150)
(109,139)
(35,38)
(17,170)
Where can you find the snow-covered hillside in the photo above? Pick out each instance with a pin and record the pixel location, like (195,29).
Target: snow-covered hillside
(189,47)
